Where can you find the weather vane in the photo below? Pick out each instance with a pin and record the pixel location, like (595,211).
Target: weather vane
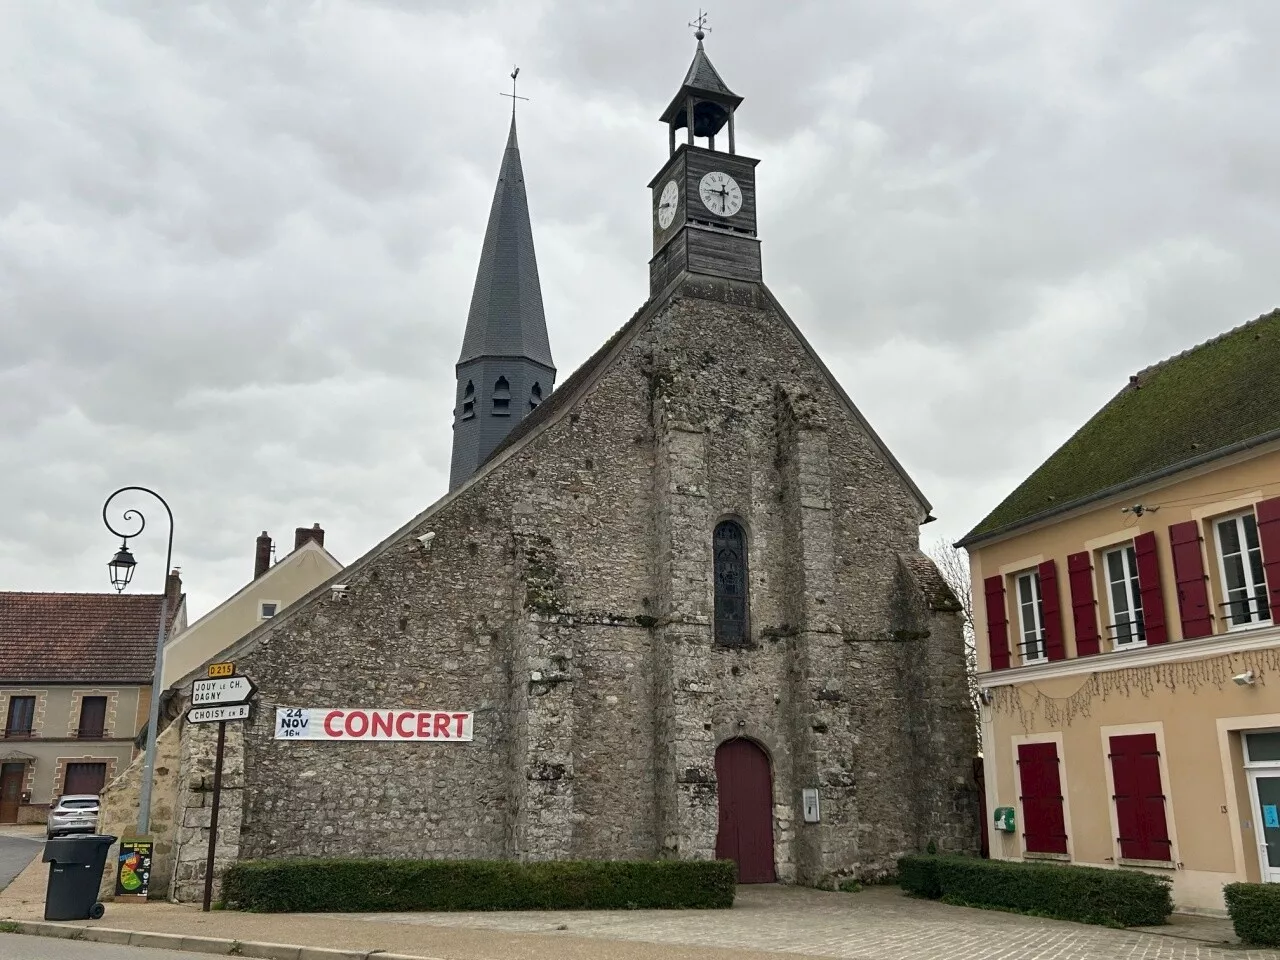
(515,72)
(700,24)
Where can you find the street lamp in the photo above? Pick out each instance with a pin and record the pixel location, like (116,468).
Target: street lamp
(121,568)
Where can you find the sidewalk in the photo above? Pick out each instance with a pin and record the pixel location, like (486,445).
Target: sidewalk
(354,936)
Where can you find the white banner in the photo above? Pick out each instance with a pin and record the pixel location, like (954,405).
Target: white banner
(333,723)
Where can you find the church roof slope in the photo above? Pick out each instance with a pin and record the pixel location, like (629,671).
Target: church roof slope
(1188,409)
(506,317)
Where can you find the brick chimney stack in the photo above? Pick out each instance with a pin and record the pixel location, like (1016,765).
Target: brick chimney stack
(302,534)
(173,590)
(262,555)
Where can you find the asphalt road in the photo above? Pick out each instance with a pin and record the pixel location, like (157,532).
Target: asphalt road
(15,853)
(15,946)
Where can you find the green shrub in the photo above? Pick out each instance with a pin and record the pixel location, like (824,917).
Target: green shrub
(1255,912)
(1114,898)
(301,886)
(918,875)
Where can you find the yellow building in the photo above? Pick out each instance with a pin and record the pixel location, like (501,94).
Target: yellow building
(1128,656)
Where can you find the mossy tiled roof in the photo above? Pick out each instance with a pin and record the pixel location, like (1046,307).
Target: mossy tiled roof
(1213,396)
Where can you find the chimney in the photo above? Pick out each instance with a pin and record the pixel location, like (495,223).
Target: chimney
(302,534)
(173,590)
(262,555)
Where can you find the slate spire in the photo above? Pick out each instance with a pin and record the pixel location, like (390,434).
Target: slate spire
(505,367)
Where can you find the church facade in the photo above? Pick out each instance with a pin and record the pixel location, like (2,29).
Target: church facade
(679,611)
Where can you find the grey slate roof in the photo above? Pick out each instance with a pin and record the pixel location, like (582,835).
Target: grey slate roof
(703,76)
(506,318)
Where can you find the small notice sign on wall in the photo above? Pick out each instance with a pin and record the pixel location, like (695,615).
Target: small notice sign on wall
(334,723)
(133,868)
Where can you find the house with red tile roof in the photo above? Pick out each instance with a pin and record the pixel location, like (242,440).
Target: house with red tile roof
(75,686)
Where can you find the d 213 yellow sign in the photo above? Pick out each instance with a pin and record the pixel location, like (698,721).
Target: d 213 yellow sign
(217,670)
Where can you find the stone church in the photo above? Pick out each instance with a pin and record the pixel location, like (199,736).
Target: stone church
(674,609)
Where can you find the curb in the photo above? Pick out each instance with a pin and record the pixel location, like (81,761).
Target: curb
(212,945)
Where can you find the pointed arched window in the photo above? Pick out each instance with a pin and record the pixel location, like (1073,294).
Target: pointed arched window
(535,396)
(729,550)
(502,398)
(469,401)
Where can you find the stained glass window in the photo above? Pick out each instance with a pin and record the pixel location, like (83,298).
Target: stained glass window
(730,549)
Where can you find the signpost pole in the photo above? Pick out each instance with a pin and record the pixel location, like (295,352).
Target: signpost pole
(213,814)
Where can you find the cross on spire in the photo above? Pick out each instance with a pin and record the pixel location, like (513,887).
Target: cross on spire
(700,24)
(515,72)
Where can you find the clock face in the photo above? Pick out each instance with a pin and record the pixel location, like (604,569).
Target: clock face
(720,193)
(667,204)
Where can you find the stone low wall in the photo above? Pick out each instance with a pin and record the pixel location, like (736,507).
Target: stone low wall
(119,816)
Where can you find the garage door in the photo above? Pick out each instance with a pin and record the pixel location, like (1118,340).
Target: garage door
(85,778)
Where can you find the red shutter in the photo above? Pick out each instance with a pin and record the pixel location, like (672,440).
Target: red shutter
(1144,547)
(1188,570)
(1084,608)
(1051,610)
(1268,512)
(1139,797)
(997,623)
(1043,824)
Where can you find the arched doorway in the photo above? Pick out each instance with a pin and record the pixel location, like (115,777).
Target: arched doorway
(746,810)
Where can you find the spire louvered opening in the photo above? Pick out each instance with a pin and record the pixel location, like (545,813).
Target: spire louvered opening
(535,396)
(502,398)
(469,401)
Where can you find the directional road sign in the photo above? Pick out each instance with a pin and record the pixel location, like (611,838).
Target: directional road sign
(226,669)
(235,711)
(206,693)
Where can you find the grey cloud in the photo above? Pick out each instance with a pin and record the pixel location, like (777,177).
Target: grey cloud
(237,241)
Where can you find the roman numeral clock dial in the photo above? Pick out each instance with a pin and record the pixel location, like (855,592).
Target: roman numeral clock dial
(720,193)
(667,204)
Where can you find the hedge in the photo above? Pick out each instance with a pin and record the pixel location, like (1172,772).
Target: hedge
(1113,898)
(354,886)
(1255,912)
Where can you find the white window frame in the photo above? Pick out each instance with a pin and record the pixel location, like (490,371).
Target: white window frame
(1037,610)
(1250,584)
(267,616)
(1133,593)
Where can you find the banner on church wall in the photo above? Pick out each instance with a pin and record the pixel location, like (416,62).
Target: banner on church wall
(332,723)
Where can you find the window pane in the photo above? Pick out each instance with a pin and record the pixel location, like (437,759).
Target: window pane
(1115,566)
(1229,536)
(1250,523)
(1263,746)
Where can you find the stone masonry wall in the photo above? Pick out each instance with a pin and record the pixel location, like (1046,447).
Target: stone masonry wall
(566,598)
(119,813)
(195,806)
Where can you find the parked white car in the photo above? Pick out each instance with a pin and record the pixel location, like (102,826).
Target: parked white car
(74,813)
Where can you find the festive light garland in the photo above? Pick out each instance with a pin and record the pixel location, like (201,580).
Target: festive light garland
(1189,675)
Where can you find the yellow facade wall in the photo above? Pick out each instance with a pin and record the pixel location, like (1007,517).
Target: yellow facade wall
(293,577)
(1181,691)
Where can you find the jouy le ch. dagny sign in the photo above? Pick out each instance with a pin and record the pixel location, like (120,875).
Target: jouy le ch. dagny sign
(333,723)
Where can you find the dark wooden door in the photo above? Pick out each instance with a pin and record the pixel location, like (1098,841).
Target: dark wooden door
(85,778)
(746,810)
(11,791)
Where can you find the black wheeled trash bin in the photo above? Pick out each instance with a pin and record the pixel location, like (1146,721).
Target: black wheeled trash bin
(75,876)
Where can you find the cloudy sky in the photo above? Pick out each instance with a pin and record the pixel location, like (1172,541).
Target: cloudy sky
(237,239)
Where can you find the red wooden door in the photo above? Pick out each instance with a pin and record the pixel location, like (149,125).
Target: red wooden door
(11,791)
(746,810)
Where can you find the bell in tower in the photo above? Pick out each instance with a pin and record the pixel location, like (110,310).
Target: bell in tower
(704,200)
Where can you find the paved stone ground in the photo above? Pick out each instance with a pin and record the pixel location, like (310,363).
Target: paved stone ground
(877,924)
